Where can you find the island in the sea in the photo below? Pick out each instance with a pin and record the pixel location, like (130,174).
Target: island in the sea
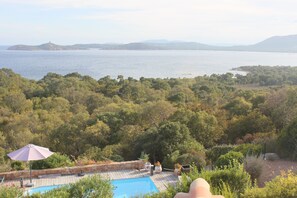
(47,46)
(272,44)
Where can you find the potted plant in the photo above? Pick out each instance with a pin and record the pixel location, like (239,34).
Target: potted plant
(145,158)
(158,167)
(177,168)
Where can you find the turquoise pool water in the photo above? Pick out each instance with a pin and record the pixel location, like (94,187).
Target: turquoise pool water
(124,188)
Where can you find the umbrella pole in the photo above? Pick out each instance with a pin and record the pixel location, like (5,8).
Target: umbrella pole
(30,165)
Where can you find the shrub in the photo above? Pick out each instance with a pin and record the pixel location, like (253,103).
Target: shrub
(192,146)
(5,167)
(287,141)
(233,175)
(224,190)
(93,153)
(2,154)
(91,187)
(229,158)
(171,159)
(283,186)
(271,145)
(4,164)
(215,152)
(249,149)
(229,181)
(248,138)
(159,195)
(17,165)
(10,191)
(191,159)
(94,186)
(116,158)
(188,153)
(144,157)
(59,192)
(110,150)
(253,165)
(264,138)
(54,161)
(255,193)
(82,160)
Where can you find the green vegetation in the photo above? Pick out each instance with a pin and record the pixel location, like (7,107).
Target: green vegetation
(249,149)
(229,158)
(54,161)
(282,186)
(215,152)
(288,140)
(231,181)
(254,166)
(17,165)
(10,191)
(207,120)
(117,119)
(267,76)
(92,187)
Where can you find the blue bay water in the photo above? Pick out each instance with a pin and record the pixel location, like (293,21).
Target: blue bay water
(136,64)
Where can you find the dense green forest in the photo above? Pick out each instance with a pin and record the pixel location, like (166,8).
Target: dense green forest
(267,76)
(169,119)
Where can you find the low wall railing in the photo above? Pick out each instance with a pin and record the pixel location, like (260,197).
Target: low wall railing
(108,166)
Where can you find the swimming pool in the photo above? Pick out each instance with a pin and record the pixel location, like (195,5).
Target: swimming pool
(124,188)
(132,187)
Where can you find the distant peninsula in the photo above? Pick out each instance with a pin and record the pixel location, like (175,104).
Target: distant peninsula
(272,44)
(47,46)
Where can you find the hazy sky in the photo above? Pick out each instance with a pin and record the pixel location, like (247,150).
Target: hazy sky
(98,21)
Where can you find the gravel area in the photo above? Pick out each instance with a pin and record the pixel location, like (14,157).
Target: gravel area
(272,169)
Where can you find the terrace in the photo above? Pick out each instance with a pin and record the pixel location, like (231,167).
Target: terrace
(112,171)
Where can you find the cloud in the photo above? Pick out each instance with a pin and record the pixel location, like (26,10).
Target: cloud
(201,18)
(84,3)
(198,20)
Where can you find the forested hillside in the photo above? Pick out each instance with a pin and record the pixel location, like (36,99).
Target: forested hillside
(117,119)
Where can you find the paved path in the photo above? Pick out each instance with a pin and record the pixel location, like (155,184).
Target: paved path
(161,180)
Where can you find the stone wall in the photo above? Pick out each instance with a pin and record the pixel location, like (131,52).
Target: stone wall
(111,166)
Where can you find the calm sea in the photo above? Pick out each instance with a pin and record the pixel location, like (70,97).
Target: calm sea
(163,64)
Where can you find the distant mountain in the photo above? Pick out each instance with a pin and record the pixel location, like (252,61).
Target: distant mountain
(278,43)
(161,41)
(183,46)
(273,44)
(47,46)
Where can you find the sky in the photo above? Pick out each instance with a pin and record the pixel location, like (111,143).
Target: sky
(222,22)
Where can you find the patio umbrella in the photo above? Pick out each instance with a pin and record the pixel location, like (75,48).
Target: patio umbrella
(29,153)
